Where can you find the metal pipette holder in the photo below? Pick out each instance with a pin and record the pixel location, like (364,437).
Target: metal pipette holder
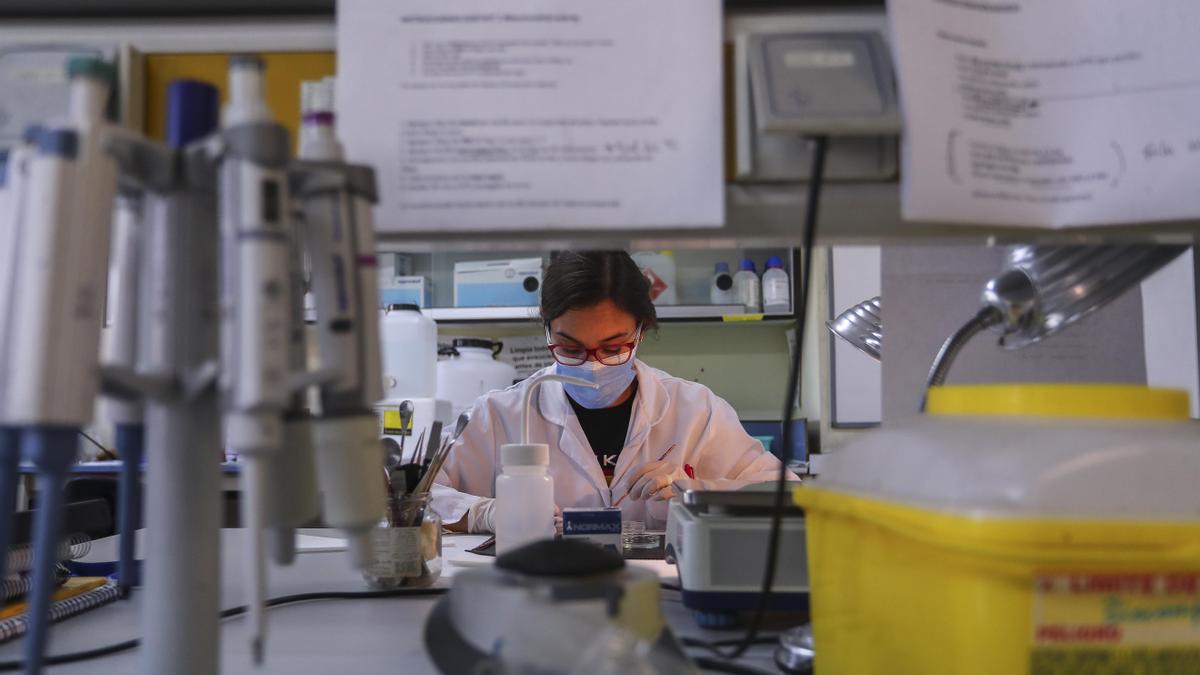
(176,370)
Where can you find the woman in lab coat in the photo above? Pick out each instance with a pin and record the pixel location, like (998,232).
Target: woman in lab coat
(622,444)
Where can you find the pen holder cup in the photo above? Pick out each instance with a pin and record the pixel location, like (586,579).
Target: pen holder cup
(406,546)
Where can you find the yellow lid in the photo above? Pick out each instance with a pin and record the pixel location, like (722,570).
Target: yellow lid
(1106,401)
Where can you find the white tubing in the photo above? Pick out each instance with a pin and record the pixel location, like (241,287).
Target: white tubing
(529,398)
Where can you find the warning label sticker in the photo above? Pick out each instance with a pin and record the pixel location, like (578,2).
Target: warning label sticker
(1101,623)
(392,424)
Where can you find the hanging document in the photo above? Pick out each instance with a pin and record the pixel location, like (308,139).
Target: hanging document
(1053,114)
(535,114)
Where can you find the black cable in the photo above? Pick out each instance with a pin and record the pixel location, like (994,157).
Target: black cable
(815,179)
(720,666)
(75,657)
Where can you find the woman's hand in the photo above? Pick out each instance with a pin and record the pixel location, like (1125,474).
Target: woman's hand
(652,481)
(481,517)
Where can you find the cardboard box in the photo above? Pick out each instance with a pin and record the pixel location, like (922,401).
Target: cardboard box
(498,283)
(405,291)
(600,526)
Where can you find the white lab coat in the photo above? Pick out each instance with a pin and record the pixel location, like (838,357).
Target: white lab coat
(668,411)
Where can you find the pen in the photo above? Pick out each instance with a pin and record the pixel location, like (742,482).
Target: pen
(661,458)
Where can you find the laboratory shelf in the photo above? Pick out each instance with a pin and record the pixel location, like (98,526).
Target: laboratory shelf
(489,314)
(770,216)
(691,274)
(698,311)
(666,313)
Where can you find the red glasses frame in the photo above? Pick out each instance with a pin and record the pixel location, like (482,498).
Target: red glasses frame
(594,354)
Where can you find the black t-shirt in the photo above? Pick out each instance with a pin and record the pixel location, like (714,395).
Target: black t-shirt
(606,430)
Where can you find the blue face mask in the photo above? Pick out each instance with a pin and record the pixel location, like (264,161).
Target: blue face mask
(613,381)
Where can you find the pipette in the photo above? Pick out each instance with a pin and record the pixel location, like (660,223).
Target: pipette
(118,348)
(336,200)
(14,170)
(256,309)
(57,314)
(295,467)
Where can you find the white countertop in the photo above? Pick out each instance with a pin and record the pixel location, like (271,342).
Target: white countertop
(337,636)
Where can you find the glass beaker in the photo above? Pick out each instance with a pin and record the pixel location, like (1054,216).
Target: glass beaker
(406,546)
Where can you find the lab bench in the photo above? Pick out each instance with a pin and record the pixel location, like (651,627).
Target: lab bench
(332,636)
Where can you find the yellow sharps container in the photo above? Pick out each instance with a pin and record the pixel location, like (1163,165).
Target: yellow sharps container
(1040,529)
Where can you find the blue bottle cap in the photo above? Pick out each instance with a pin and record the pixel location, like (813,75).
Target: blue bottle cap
(193,111)
(59,143)
(721,267)
(774,261)
(32,133)
(748,264)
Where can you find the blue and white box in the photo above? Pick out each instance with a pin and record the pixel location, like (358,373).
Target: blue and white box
(398,290)
(498,283)
(599,526)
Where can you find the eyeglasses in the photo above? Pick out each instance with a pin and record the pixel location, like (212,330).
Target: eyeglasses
(608,355)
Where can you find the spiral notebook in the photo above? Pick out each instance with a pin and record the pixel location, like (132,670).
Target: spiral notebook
(76,595)
(16,586)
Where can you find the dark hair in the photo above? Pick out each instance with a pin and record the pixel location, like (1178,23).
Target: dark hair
(578,279)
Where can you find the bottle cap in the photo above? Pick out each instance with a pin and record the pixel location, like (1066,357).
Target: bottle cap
(247,61)
(316,96)
(774,261)
(90,66)
(747,264)
(476,343)
(31,134)
(721,267)
(525,454)
(193,111)
(59,143)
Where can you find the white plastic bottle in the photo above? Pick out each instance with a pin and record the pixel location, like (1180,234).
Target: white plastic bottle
(524,496)
(746,287)
(524,489)
(471,370)
(408,342)
(721,291)
(776,288)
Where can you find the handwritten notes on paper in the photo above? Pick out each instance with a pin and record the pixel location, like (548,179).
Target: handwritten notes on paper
(535,114)
(1052,114)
